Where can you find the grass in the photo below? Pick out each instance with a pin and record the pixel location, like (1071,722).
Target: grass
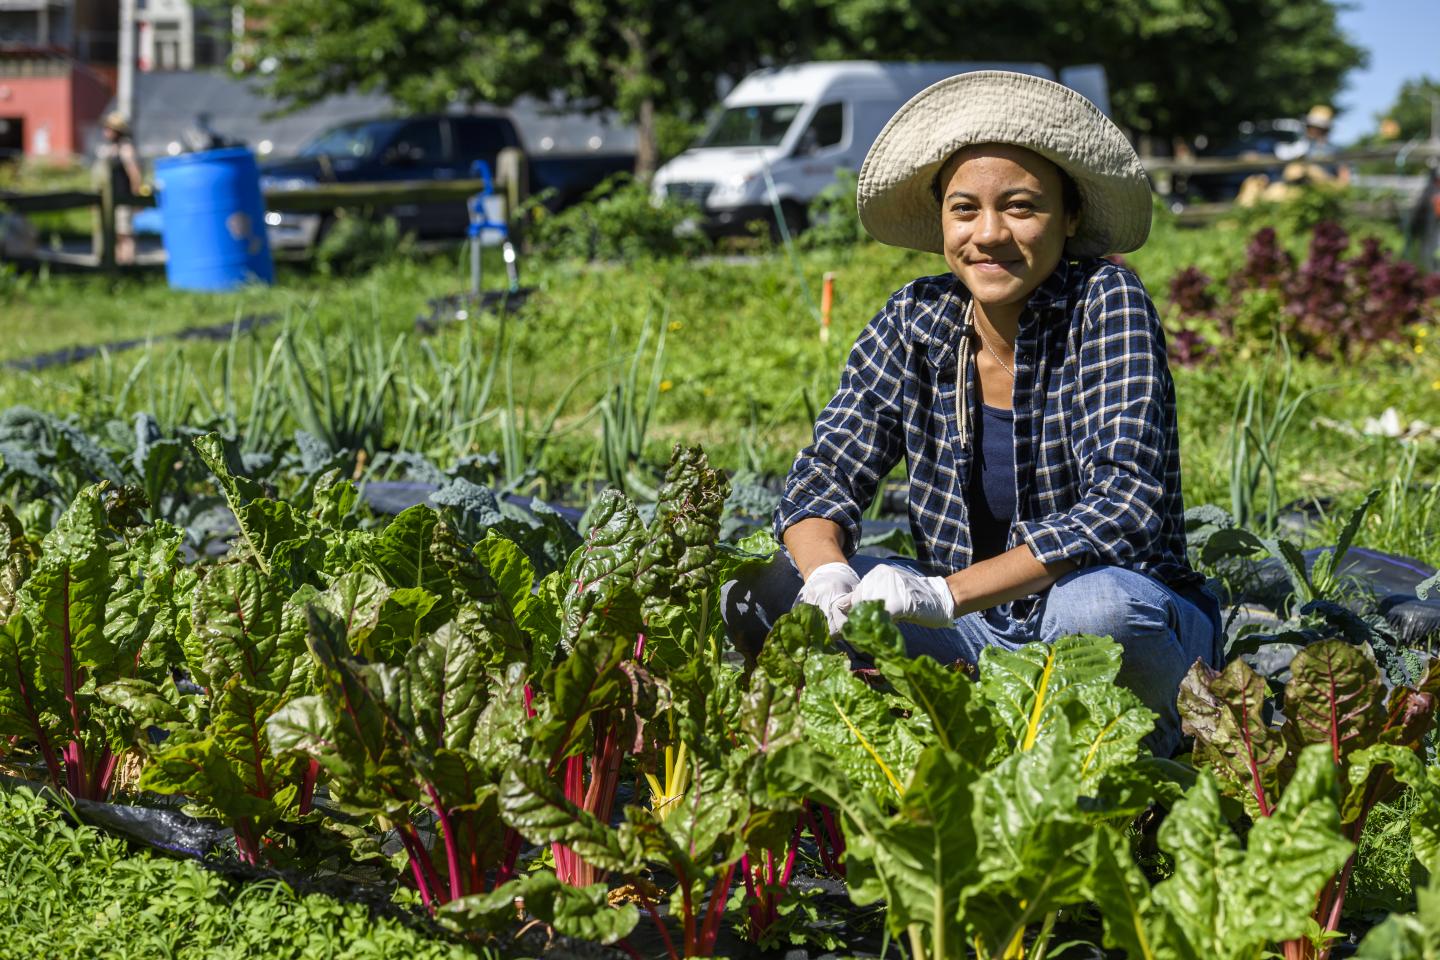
(743,372)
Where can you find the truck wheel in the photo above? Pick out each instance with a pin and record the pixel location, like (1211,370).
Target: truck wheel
(796,220)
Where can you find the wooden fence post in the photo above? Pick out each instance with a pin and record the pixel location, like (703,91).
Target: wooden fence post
(512,175)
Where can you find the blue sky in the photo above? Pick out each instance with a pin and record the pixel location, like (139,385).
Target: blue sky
(1403,37)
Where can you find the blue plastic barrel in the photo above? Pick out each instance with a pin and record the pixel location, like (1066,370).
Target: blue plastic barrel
(213,218)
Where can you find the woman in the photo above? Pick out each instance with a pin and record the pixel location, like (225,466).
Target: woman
(117,166)
(1028,392)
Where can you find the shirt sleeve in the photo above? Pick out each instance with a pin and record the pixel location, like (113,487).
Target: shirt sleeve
(858,436)
(1124,412)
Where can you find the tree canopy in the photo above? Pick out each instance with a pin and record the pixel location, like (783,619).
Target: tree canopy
(1176,67)
(1415,109)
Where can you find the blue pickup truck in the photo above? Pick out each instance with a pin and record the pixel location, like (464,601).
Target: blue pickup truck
(429,147)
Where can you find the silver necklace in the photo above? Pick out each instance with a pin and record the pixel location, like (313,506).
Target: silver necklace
(986,340)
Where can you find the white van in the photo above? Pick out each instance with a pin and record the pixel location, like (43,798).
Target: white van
(804,122)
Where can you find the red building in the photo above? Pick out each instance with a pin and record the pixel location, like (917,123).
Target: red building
(48,100)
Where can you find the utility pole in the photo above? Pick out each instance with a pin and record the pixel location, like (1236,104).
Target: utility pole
(125,72)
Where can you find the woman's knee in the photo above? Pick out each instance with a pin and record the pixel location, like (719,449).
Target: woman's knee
(751,603)
(1107,602)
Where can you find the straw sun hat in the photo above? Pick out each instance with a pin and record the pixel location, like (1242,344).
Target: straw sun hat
(896,192)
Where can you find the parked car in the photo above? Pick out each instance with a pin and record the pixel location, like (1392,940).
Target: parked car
(804,122)
(434,147)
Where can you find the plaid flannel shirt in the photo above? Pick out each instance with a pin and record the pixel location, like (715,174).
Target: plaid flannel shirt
(1097,456)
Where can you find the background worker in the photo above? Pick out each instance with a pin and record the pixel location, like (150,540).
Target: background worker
(117,166)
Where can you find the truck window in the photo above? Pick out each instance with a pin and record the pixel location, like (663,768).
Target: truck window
(761,125)
(479,138)
(827,129)
(352,140)
(418,142)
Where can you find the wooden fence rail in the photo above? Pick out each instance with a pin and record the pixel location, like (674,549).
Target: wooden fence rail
(509,182)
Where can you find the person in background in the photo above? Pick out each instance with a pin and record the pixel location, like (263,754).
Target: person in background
(1026,390)
(118,165)
(1315,148)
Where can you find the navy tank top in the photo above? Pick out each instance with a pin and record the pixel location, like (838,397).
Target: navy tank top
(992,482)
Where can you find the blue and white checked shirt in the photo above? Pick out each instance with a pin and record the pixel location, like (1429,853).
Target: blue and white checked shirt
(1097,455)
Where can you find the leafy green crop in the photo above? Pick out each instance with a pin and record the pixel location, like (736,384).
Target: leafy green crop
(90,605)
(1335,701)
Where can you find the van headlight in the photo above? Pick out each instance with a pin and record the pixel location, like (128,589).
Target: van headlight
(733,189)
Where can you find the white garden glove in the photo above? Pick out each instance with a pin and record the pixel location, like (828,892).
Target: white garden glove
(829,587)
(908,596)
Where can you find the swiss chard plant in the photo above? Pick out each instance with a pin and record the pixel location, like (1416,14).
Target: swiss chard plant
(244,648)
(976,812)
(1334,699)
(637,602)
(431,729)
(88,606)
(1225,899)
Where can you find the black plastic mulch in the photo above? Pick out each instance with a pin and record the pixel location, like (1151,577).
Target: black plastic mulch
(69,355)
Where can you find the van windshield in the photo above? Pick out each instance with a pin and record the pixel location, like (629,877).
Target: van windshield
(759,125)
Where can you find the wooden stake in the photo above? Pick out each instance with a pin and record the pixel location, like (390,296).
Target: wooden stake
(827,298)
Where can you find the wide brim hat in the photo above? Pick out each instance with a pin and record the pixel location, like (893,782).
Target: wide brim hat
(896,193)
(117,121)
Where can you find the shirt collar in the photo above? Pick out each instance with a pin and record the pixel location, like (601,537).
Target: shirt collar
(1055,289)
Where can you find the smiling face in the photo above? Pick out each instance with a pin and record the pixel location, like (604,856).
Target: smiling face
(1003,213)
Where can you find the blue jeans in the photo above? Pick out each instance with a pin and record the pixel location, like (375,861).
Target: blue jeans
(1161,631)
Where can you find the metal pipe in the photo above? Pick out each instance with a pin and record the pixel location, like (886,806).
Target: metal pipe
(125,65)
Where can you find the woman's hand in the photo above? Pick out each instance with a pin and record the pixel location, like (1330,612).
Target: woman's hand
(829,587)
(908,596)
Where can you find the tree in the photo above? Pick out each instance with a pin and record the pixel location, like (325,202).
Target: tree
(1416,109)
(1177,68)
(639,57)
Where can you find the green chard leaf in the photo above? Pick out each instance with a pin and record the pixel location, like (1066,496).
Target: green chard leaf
(66,595)
(200,770)
(1029,689)
(580,912)
(795,636)
(402,555)
(679,551)
(1034,841)
(532,803)
(242,625)
(17,557)
(961,721)
(858,728)
(1227,901)
(604,564)
(281,539)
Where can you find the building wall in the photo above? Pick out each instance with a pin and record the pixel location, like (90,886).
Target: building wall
(43,105)
(55,111)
